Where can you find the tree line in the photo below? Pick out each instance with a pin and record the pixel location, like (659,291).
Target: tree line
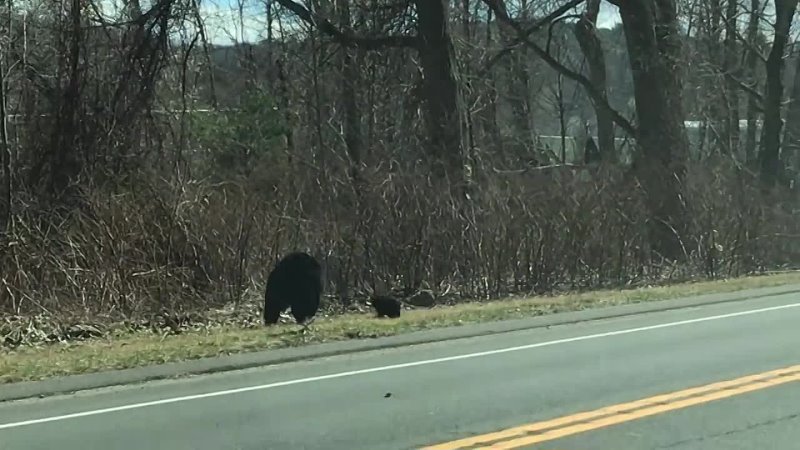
(407,143)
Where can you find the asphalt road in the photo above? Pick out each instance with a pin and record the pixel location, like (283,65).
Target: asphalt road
(451,390)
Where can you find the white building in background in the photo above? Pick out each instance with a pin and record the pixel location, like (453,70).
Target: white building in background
(551,145)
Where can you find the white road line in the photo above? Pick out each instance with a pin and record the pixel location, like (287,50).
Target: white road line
(392,367)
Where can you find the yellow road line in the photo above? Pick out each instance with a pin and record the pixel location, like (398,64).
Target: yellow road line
(614,420)
(623,412)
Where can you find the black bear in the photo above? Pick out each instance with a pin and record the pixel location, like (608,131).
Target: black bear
(386,306)
(296,283)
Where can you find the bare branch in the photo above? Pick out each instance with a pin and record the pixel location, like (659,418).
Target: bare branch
(750,90)
(499,9)
(526,33)
(749,46)
(342,37)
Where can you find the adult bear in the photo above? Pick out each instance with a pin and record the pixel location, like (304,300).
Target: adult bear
(296,283)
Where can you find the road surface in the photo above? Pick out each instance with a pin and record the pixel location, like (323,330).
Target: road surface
(568,387)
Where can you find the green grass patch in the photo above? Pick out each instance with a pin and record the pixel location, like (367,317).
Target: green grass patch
(134,350)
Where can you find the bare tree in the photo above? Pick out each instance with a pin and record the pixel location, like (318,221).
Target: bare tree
(351,123)
(6,155)
(769,153)
(730,132)
(751,59)
(439,89)
(654,47)
(501,11)
(791,137)
(586,34)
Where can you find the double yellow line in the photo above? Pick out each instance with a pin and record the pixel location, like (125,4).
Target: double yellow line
(549,430)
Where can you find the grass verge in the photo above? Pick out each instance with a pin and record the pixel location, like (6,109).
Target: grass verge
(134,350)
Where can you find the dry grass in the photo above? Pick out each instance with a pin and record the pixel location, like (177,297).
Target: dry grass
(146,349)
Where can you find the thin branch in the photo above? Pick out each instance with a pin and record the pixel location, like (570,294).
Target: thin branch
(552,26)
(749,46)
(526,33)
(342,37)
(498,7)
(5,151)
(750,90)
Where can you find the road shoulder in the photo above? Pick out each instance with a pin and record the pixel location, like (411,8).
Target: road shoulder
(73,383)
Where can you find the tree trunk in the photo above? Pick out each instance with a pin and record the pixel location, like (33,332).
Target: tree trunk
(351,119)
(562,117)
(65,165)
(586,34)
(791,137)
(468,91)
(5,154)
(730,130)
(769,153)
(518,92)
(750,61)
(518,97)
(492,128)
(713,80)
(439,88)
(650,28)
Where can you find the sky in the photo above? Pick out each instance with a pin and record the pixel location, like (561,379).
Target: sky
(224,26)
